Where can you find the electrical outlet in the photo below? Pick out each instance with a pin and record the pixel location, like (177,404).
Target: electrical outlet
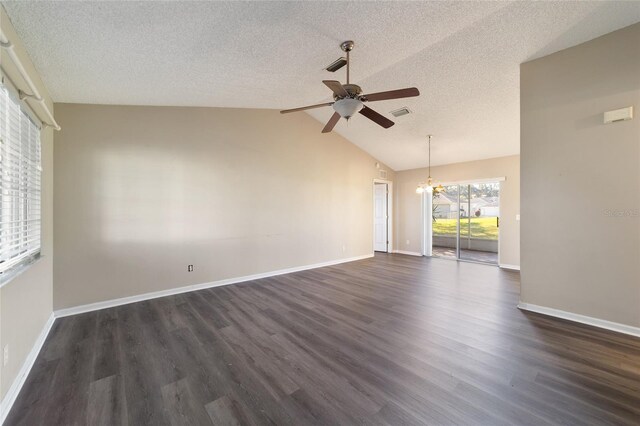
(344,248)
(407,242)
(5,357)
(189,268)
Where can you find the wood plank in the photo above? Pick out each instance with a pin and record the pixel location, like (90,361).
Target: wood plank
(107,405)
(182,406)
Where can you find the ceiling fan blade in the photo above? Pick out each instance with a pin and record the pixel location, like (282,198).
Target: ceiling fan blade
(331,123)
(286,111)
(392,94)
(376,117)
(336,87)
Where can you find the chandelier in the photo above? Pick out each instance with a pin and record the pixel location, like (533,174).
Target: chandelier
(428,185)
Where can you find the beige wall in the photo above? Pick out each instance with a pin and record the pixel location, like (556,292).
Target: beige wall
(408,211)
(26,301)
(581,179)
(141,192)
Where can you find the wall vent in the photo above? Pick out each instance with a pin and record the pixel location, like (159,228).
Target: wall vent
(383,174)
(621,114)
(400,112)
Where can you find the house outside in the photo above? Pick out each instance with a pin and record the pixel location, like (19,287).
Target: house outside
(444,207)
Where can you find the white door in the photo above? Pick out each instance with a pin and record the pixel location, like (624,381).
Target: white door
(380,217)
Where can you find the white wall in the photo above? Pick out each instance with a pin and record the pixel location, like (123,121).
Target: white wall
(581,179)
(141,192)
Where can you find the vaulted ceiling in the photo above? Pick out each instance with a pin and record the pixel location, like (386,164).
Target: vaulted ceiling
(463,56)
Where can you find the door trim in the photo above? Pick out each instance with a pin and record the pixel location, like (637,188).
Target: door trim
(389,211)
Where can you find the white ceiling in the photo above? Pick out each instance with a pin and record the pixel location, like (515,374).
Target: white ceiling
(463,56)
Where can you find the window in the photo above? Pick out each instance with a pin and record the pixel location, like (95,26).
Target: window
(20,172)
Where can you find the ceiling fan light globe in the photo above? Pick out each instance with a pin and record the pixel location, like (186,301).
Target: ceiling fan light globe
(348,107)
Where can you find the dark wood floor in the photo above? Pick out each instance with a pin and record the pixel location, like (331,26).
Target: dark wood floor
(390,340)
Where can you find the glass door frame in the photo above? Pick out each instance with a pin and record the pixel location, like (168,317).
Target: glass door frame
(427,219)
(458,250)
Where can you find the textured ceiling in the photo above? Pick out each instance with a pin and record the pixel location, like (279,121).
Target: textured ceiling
(463,56)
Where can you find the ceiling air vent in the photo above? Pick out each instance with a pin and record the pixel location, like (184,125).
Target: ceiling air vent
(400,112)
(337,64)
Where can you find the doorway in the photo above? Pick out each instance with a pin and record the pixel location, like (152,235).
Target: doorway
(381,216)
(465,222)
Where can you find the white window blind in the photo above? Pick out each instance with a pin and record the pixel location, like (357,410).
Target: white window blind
(20,172)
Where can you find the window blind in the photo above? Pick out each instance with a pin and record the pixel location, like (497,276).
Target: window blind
(20,172)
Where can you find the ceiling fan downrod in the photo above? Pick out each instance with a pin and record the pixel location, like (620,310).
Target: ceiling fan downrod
(347,46)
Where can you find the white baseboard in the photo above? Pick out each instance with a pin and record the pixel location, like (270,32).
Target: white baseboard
(410,253)
(153,295)
(512,267)
(18,382)
(583,319)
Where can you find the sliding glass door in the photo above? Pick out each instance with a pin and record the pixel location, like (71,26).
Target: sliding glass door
(466,219)
(445,222)
(479,222)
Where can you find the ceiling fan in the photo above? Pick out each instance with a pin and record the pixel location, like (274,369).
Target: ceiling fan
(349,99)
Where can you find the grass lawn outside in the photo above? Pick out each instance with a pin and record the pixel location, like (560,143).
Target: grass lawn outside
(481,227)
